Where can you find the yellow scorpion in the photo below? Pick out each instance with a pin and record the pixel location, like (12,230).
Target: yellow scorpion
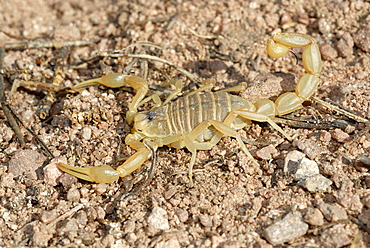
(198,121)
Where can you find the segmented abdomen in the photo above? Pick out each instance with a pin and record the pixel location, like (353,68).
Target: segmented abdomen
(185,113)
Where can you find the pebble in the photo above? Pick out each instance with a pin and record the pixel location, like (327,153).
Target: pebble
(216,241)
(100,213)
(334,237)
(205,220)
(6,133)
(81,218)
(309,147)
(51,171)
(316,183)
(173,243)
(345,45)
(366,201)
(289,228)
(314,217)
(129,227)
(40,236)
(182,215)
(350,201)
(362,39)
(333,212)
(131,238)
(100,188)
(342,181)
(364,217)
(324,26)
(328,52)
(170,192)
(26,162)
(91,214)
(73,195)
(48,216)
(158,219)
(267,152)
(108,241)
(86,133)
(299,167)
(69,225)
(340,135)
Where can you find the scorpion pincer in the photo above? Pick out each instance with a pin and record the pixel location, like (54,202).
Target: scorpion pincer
(199,120)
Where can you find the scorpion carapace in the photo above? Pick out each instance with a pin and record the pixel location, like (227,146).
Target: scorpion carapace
(199,120)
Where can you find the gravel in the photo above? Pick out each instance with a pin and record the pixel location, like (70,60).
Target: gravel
(232,203)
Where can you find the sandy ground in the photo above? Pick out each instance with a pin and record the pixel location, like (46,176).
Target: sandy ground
(232,202)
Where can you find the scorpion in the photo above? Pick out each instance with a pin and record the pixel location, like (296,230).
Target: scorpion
(198,120)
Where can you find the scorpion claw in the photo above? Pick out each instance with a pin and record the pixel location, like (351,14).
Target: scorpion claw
(98,174)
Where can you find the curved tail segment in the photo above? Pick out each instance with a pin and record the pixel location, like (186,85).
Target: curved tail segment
(280,44)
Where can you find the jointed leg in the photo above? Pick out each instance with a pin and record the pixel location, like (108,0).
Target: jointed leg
(105,173)
(116,80)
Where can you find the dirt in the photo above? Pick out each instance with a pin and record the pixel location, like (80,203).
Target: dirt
(232,202)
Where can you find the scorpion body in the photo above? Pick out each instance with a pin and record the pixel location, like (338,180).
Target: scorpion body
(186,113)
(200,119)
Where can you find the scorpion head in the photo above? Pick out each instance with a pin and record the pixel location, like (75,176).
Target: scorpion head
(150,124)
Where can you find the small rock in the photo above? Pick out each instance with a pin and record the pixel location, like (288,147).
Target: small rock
(173,243)
(362,39)
(67,180)
(328,52)
(345,45)
(314,217)
(299,168)
(366,201)
(51,171)
(100,213)
(205,220)
(364,217)
(216,241)
(48,216)
(81,218)
(69,225)
(292,159)
(290,227)
(88,239)
(333,212)
(100,188)
(91,214)
(6,133)
(316,183)
(267,152)
(41,236)
(309,147)
(86,133)
(6,180)
(158,219)
(108,241)
(342,182)
(26,162)
(73,195)
(170,192)
(264,86)
(334,237)
(349,201)
(129,227)
(324,26)
(182,214)
(131,238)
(339,135)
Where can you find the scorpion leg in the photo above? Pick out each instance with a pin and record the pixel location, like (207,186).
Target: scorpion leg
(116,80)
(189,141)
(105,173)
